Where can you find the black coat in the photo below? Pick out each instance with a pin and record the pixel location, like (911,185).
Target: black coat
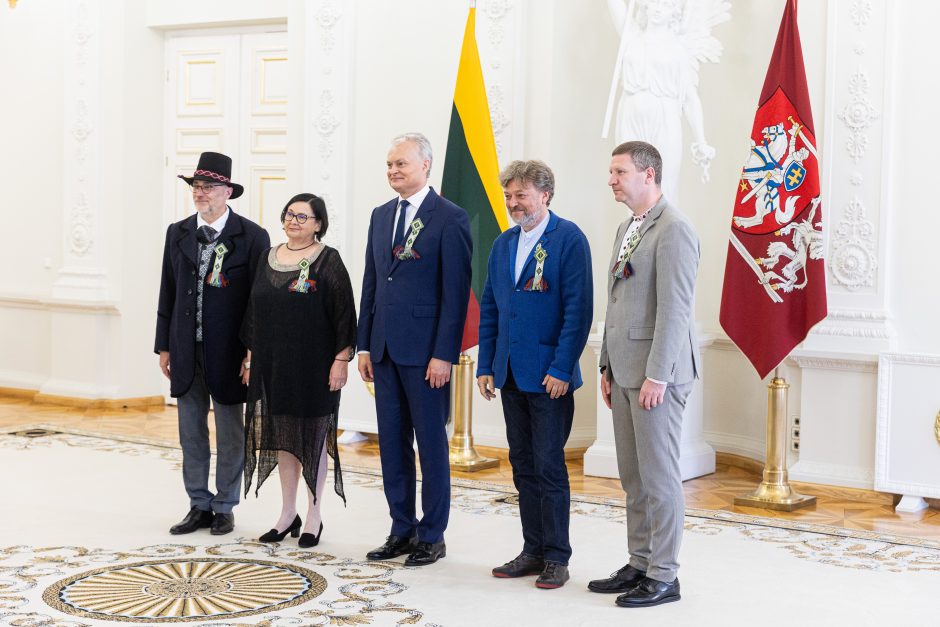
(222,307)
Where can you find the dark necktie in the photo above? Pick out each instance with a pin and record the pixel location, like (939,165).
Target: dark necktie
(400,228)
(206,234)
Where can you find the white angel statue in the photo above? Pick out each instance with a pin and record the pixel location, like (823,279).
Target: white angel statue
(662,43)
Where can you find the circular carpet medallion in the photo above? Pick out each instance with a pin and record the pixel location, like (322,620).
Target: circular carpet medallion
(184,590)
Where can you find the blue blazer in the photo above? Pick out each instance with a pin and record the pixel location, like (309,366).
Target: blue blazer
(223,308)
(538,333)
(415,309)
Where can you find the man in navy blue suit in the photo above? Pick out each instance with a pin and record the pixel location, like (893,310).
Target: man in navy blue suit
(535,318)
(415,291)
(209,261)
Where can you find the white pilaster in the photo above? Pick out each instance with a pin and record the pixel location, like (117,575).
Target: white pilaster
(328,65)
(858,118)
(82,275)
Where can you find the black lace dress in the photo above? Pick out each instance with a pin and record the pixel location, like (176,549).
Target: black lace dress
(294,337)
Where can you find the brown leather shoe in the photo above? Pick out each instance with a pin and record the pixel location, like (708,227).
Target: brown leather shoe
(520,566)
(621,581)
(553,576)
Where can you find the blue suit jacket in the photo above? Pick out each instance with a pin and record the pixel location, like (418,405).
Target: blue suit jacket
(415,309)
(543,332)
(222,308)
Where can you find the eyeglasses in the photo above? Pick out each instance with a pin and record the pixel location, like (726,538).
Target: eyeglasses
(301,217)
(205,189)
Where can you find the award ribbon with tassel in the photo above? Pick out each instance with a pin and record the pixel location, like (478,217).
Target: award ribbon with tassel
(302,284)
(622,269)
(407,252)
(217,279)
(537,283)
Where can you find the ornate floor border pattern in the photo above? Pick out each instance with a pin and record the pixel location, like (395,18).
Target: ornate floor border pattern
(849,548)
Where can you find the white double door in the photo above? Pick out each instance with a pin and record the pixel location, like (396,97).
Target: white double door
(228,93)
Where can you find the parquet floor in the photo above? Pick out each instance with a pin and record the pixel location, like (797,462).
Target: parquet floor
(839,507)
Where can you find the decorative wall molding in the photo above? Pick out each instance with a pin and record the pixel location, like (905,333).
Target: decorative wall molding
(751,448)
(858,115)
(853,248)
(498,27)
(498,68)
(857,315)
(326,112)
(860,55)
(846,364)
(82,276)
(832,474)
(81,221)
(871,326)
(906,422)
(10,301)
(861,14)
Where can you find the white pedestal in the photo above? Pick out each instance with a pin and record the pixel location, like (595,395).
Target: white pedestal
(911,504)
(696,457)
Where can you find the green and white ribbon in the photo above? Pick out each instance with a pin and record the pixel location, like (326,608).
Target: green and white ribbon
(301,284)
(632,243)
(540,255)
(416,226)
(215,279)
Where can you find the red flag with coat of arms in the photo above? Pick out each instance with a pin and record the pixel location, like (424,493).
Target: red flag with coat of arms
(775,283)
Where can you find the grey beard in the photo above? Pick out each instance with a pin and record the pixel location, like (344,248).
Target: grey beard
(525,220)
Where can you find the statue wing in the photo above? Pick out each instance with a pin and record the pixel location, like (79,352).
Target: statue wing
(698,19)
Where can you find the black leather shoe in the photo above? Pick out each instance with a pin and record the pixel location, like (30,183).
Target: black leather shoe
(393,547)
(426,553)
(308,540)
(276,536)
(520,566)
(650,592)
(195,519)
(553,576)
(623,580)
(222,524)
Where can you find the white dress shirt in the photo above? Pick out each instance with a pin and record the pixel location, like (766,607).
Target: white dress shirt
(414,202)
(218,225)
(527,241)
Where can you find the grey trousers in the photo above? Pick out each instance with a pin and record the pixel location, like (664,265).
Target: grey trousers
(193,409)
(648,460)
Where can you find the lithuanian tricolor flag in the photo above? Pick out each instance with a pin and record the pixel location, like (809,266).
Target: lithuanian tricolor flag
(471,170)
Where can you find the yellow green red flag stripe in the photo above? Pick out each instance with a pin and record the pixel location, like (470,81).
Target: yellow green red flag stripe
(471,169)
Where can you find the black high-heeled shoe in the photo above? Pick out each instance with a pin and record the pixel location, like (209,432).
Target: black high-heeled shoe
(308,540)
(276,536)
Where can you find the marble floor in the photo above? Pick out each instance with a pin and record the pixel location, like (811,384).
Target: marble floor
(839,507)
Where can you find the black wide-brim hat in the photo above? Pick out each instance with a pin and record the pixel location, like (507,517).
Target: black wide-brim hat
(214,167)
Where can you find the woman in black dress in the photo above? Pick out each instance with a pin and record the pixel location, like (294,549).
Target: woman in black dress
(300,329)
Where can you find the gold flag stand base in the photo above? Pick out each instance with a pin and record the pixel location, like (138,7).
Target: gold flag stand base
(775,492)
(463,456)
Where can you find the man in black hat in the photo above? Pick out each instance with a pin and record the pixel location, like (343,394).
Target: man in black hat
(209,260)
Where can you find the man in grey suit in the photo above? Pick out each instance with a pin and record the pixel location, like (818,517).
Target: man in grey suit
(649,361)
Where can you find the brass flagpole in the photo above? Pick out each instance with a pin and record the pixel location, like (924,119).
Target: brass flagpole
(775,492)
(462,454)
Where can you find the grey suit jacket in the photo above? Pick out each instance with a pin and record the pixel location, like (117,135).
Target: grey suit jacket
(649,331)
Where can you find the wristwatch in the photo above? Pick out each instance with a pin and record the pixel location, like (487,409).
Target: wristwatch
(603,369)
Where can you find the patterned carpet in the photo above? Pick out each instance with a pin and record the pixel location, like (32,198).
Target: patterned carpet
(84,542)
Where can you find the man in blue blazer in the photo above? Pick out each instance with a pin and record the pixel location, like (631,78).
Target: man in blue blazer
(535,318)
(415,291)
(209,261)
